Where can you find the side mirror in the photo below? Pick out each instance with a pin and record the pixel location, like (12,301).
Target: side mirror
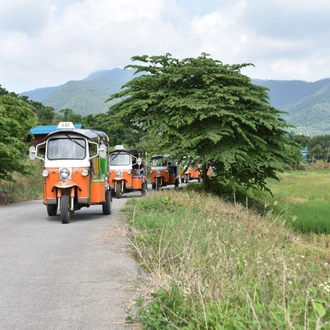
(32,152)
(139,161)
(102,151)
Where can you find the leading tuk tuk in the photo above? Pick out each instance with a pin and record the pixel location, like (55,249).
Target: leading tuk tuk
(127,171)
(75,170)
(164,171)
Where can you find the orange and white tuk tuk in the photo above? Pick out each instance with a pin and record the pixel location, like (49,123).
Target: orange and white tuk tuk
(75,170)
(190,170)
(127,171)
(164,171)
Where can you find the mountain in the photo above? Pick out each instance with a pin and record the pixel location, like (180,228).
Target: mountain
(307,103)
(85,96)
(40,94)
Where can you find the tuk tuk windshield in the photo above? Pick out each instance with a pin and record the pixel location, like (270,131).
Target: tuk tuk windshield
(119,159)
(73,148)
(159,162)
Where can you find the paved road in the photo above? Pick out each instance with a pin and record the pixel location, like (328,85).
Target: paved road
(74,276)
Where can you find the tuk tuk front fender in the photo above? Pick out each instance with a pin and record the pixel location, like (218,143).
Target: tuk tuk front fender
(115,180)
(65,184)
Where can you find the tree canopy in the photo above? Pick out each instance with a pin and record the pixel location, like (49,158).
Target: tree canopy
(202,107)
(16,120)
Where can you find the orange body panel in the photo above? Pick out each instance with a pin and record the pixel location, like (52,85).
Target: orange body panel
(128,178)
(97,191)
(164,174)
(81,184)
(137,182)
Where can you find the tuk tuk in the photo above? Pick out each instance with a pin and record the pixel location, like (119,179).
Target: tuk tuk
(190,170)
(127,171)
(75,170)
(190,173)
(164,171)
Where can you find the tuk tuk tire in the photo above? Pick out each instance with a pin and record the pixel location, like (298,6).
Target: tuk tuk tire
(199,178)
(51,210)
(176,184)
(106,206)
(153,185)
(144,189)
(65,211)
(182,180)
(113,193)
(118,190)
(186,178)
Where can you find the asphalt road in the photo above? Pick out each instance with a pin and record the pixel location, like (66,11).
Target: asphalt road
(64,276)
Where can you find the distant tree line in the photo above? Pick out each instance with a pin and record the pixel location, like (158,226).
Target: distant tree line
(318,147)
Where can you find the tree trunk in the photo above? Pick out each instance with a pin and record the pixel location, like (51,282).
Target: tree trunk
(206,180)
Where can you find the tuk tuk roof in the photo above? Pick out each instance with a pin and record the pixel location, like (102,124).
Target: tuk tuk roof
(90,134)
(132,151)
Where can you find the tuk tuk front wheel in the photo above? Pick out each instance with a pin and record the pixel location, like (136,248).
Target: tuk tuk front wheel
(153,185)
(118,190)
(65,213)
(106,206)
(51,210)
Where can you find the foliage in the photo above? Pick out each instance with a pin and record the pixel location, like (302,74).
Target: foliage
(319,147)
(16,120)
(24,187)
(217,265)
(202,107)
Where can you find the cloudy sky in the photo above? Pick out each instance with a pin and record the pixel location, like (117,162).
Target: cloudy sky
(46,43)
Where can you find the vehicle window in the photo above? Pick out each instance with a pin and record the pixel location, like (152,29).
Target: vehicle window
(73,148)
(159,162)
(117,159)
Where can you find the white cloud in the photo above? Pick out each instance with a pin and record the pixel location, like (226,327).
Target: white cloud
(48,42)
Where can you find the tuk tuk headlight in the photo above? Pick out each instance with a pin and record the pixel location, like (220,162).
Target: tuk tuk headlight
(159,172)
(118,172)
(64,173)
(45,173)
(85,172)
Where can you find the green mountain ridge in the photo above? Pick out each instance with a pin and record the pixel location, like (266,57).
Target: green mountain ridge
(307,103)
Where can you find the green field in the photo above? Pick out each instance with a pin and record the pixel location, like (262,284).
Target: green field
(303,200)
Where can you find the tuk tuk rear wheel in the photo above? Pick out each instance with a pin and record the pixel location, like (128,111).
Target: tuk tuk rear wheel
(153,185)
(65,213)
(106,206)
(51,210)
(118,190)
(144,189)
(158,184)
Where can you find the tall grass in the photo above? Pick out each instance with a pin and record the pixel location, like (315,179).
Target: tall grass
(24,187)
(216,265)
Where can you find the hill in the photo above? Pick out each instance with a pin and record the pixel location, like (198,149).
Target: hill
(307,103)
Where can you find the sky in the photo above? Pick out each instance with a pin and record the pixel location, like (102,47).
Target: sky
(45,43)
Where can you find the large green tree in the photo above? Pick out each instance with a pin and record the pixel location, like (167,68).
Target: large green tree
(16,120)
(202,107)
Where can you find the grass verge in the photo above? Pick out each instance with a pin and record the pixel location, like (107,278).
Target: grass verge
(24,187)
(215,265)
